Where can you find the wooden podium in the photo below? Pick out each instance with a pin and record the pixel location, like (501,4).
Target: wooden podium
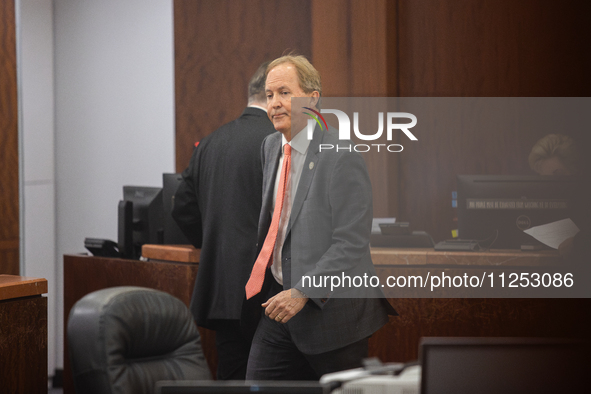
(84,274)
(23,335)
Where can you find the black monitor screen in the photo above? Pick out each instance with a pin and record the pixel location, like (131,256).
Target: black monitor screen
(147,218)
(502,365)
(241,387)
(498,208)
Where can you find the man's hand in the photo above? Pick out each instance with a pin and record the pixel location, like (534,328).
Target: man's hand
(282,307)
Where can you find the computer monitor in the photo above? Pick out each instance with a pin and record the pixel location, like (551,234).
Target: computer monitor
(172,232)
(241,387)
(140,219)
(503,365)
(499,207)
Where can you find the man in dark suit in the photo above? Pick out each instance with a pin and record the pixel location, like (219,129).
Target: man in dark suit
(325,204)
(217,207)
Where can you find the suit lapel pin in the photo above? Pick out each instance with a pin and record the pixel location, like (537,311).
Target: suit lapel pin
(311,165)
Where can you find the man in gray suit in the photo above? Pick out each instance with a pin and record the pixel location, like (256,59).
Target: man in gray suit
(323,229)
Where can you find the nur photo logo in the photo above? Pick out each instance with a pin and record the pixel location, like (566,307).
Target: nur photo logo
(391,120)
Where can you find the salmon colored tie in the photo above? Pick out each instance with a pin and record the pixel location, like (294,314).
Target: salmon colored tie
(264,261)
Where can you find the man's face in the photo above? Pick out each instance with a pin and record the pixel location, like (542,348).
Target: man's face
(283,84)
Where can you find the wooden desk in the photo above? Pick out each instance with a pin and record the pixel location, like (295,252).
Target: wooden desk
(398,340)
(487,317)
(23,335)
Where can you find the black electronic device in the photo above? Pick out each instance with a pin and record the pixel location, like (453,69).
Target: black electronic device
(172,232)
(147,219)
(458,245)
(415,239)
(241,387)
(398,228)
(125,229)
(503,365)
(101,247)
(500,207)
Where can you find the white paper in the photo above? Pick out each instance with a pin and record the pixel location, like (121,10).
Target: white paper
(553,234)
(375,224)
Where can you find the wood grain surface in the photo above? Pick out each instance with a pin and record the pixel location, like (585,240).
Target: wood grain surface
(13,286)
(218,46)
(353,48)
(9,183)
(481,49)
(23,345)
(177,253)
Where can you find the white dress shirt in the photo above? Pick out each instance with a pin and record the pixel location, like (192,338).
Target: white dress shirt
(299,147)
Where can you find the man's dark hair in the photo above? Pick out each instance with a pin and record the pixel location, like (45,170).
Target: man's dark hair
(256,86)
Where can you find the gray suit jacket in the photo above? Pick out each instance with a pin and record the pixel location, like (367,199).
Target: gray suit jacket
(328,234)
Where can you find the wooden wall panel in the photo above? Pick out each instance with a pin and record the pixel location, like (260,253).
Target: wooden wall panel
(351,48)
(218,46)
(9,194)
(481,48)
(331,49)
(433,48)
(371,22)
(9,259)
(493,48)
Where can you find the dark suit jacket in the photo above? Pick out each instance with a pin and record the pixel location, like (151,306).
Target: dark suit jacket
(328,234)
(217,206)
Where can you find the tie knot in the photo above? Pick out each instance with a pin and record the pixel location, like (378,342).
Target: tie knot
(287,150)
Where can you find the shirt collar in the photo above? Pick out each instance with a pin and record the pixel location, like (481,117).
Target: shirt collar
(300,142)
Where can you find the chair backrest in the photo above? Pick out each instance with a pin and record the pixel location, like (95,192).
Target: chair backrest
(125,339)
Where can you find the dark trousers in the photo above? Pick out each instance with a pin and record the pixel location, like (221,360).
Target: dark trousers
(274,356)
(233,349)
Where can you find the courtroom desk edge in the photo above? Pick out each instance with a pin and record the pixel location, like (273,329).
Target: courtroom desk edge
(13,286)
(176,253)
(142,259)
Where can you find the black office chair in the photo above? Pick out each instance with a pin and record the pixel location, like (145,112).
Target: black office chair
(125,339)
